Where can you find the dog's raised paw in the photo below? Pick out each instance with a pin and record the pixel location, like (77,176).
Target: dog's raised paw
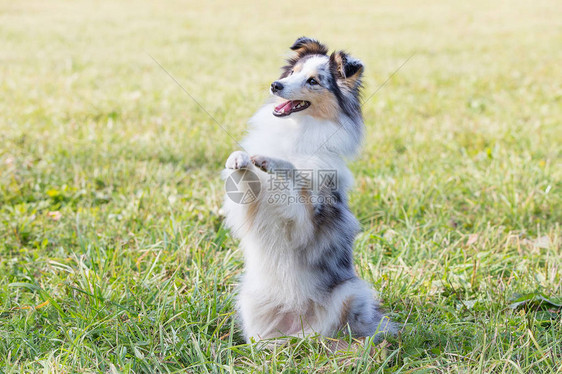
(261,162)
(238,160)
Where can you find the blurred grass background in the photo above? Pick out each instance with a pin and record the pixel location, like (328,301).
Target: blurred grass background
(112,252)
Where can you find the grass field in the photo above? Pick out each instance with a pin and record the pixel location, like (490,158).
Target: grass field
(113,257)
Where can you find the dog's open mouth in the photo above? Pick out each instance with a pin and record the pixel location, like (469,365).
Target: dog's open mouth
(289,107)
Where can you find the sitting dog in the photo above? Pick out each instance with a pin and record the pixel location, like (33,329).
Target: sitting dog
(294,224)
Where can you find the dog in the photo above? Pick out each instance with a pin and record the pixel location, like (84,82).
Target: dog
(297,233)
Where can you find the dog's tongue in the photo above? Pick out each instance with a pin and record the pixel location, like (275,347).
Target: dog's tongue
(285,107)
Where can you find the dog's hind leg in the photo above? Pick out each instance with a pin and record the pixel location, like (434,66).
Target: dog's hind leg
(353,305)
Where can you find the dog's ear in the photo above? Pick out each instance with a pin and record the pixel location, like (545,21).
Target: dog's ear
(347,70)
(307,46)
(303,46)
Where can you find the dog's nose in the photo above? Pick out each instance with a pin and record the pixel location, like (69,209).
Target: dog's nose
(276,86)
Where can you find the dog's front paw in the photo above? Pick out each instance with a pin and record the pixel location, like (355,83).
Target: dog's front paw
(262,162)
(238,160)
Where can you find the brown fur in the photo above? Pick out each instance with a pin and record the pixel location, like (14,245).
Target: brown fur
(344,314)
(303,46)
(306,46)
(298,67)
(305,193)
(251,213)
(349,78)
(325,106)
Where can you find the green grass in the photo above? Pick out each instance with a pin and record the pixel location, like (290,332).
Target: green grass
(113,257)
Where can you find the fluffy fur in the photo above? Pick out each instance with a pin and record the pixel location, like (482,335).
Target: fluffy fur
(299,276)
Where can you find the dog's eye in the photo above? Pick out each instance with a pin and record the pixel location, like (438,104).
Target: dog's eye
(291,73)
(312,81)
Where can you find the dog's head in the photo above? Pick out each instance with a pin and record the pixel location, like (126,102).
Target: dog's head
(320,85)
